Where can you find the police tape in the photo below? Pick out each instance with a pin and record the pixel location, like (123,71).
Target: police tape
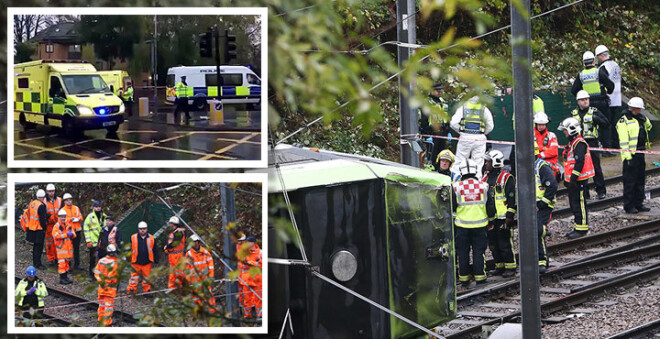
(603,149)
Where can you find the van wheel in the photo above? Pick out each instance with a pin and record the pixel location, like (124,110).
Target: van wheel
(199,104)
(69,128)
(23,121)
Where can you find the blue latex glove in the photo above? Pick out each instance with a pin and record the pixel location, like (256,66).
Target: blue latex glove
(31,290)
(429,139)
(656,163)
(449,135)
(69,234)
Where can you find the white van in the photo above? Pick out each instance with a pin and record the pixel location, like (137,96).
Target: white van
(240,85)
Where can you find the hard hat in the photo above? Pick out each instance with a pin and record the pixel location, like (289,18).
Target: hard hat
(496,157)
(536,148)
(41,193)
(582,95)
(241,236)
(142,224)
(174,220)
(111,248)
(636,102)
(447,155)
(50,187)
(31,271)
(62,213)
(601,49)
(541,118)
(468,167)
(588,57)
(571,125)
(195,237)
(67,196)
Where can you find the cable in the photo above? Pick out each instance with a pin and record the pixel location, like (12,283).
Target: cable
(299,9)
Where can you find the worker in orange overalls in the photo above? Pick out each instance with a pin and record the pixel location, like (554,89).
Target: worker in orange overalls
(252,298)
(200,267)
(74,217)
(240,240)
(106,272)
(143,256)
(63,235)
(53,206)
(176,242)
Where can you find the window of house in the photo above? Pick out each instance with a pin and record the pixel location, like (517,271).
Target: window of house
(75,52)
(49,48)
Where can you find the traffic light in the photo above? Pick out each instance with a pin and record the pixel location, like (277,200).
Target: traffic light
(230,47)
(206,45)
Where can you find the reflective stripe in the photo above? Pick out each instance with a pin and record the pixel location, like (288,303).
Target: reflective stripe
(474,222)
(468,203)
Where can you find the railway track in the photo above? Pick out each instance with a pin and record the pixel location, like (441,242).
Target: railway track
(612,180)
(600,204)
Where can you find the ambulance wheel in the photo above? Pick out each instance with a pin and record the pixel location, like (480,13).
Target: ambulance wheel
(113,129)
(26,125)
(69,128)
(199,104)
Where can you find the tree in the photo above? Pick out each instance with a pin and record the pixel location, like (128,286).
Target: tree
(24,51)
(113,36)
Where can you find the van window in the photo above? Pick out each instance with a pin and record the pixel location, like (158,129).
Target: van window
(227,80)
(84,84)
(23,83)
(253,80)
(169,82)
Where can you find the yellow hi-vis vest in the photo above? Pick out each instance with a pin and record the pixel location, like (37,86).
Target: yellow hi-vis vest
(41,292)
(128,94)
(499,194)
(183,91)
(589,128)
(537,106)
(540,189)
(589,78)
(471,196)
(628,131)
(473,118)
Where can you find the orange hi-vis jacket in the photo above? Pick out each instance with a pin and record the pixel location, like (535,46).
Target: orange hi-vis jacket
(112,240)
(33,223)
(176,251)
(569,164)
(251,260)
(134,247)
(548,147)
(63,243)
(52,208)
(73,212)
(106,272)
(199,265)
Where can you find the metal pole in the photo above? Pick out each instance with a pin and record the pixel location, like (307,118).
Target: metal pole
(155,46)
(405,32)
(528,233)
(218,78)
(229,215)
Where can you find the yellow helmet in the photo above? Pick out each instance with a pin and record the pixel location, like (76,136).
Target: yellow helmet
(445,154)
(536,148)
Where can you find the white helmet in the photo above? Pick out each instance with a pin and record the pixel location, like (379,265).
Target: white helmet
(582,95)
(468,166)
(41,193)
(636,102)
(111,248)
(588,57)
(571,125)
(62,213)
(174,220)
(50,187)
(67,196)
(601,49)
(541,118)
(142,224)
(195,237)
(496,157)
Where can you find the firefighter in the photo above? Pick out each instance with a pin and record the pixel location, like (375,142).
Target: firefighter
(106,273)
(181,100)
(74,217)
(30,294)
(251,281)
(473,121)
(470,197)
(36,227)
(633,129)
(199,267)
(546,141)
(502,188)
(63,235)
(92,229)
(176,242)
(110,235)
(546,189)
(578,168)
(445,160)
(591,120)
(53,205)
(143,255)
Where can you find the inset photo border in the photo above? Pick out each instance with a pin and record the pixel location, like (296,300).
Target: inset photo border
(226,212)
(61,78)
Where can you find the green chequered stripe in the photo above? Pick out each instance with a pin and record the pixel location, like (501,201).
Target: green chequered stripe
(29,102)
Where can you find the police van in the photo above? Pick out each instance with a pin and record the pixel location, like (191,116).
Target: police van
(116,80)
(68,95)
(240,85)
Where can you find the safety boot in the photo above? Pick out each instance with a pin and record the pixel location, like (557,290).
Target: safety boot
(64,280)
(576,234)
(509,272)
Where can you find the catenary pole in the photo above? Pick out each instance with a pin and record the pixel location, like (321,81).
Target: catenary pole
(405,32)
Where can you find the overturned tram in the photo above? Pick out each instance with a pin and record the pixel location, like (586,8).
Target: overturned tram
(375,246)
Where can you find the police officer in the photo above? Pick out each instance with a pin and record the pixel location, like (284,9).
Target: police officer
(434,123)
(613,71)
(127,96)
(181,100)
(578,168)
(445,160)
(470,198)
(31,293)
(598,85)
(92,229)
(633,129)
(502,188)
(473,121)
(592,121)
(36,227)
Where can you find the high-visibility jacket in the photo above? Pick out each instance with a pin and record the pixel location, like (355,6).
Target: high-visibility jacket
(471,196)
(106,273)
(589,128)
(548,147)
(569,164)
(41,292)
(24,219)
(134,247)
(52,207)
(589,79)
(628,130)
(112,237)
(253,259)
(73,212)
(183,91)
(473,118)
(63,243)
(500,195)
(128,94)
(537,106)
(199,265)
(92,227)
(33,223)
(540,188)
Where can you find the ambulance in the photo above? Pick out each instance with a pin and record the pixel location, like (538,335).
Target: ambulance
(240,85)
(68,95)
(116,80)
